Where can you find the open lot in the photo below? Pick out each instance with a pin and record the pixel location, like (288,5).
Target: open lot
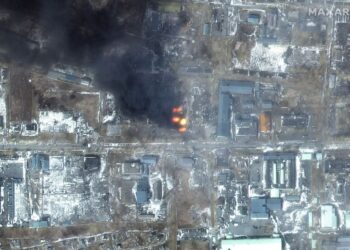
(20,97)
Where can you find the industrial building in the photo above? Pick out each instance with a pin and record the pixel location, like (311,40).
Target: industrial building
(279,170)
(39,224)
(8,201)
(143,193)
(342,243)
(12,171)
(337,165)
(253,18)
(260,208)
(294,120)
(92,162)
(186,162)
(11,175)
(329,220)
(244,244)
(228,91)
(268,34)
(69,78)
(245,109)
(39,162)
(137,167)
(265,122)
(150,160)
(131,168)
(246,125)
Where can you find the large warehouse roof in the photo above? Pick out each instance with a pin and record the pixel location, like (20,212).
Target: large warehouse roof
(247,244)
(328,217)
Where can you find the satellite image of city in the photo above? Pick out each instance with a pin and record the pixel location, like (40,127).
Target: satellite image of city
(175,124)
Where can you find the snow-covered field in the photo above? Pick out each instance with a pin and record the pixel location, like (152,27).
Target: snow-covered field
(21,203)
(264,58)
(70,195)
(52,121)
(268,58)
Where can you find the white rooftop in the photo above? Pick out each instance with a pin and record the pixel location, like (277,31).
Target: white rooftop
(247,244)
(347,220)
(328,217)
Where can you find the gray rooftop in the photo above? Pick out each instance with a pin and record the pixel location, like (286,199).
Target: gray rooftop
(274,204)
(227,90)
(224,115)
(343,243)
(149,159)
(143,193)
(235,87)
(279,156)
(40,162)
(12,170)
(258,208)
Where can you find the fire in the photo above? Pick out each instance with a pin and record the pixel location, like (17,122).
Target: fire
(177,110)
(182,129)
(179,119)
(183,122)
(176,119)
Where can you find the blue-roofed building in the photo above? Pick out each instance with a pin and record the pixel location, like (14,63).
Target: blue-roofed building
(141,197)
(13,171)
(253,18)
(38,224)
(274,204)
(267,105)
(224,115)
(39,162)
(235,87)
(143,193)
(279,156)
(258,209)
(150,160)
(206,29)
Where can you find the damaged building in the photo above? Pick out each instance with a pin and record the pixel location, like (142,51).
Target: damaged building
(279,170)
(231,91)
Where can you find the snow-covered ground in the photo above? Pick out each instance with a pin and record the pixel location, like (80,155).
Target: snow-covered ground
(70,195)
(21,203)
(52,121)
(59,199)
(268,58)
(264,58)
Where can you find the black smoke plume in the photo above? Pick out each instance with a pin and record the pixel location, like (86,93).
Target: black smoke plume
(105,35)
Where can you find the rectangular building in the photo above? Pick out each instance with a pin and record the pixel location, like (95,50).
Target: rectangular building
(228,90)
(279,170)
(245,244)
(328,217)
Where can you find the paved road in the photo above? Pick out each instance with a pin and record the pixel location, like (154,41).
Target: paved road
(180,144)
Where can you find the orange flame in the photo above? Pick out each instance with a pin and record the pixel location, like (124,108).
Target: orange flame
(183,122)
(182,129)
(177,109)
(176,119)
